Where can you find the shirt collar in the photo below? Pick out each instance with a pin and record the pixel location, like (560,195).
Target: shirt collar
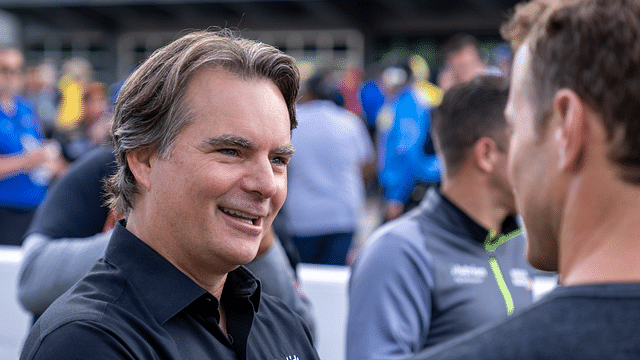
(172,291)
(242,284)
(436,200)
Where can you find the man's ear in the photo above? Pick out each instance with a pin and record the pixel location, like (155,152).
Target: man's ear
(573,131)
(140,162)
(484,154)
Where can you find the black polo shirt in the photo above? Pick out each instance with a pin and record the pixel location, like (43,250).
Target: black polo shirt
(134,304)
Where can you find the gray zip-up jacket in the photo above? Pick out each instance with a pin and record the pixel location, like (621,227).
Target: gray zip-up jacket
(428,277)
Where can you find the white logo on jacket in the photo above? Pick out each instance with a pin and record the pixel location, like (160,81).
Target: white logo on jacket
(520,278)
(468,274)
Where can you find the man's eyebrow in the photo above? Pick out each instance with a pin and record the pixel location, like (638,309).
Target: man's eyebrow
(229,140)
(286,150)
(237,141)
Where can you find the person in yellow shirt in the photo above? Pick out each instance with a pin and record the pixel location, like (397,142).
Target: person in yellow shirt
(76,74)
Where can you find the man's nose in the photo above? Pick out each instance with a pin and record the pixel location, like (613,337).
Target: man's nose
(261,179)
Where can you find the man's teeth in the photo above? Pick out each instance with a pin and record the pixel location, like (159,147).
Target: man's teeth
(250,219)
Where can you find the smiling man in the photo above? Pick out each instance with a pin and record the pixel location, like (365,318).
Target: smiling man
(202,139)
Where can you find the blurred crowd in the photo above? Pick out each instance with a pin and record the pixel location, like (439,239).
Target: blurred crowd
(391,100)
(363,140)
(457,158)
(50,118)
(72,106)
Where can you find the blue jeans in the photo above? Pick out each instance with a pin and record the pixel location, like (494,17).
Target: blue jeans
(330,249)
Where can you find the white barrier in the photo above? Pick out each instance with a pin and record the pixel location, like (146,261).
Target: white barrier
(14,321)
(326,288)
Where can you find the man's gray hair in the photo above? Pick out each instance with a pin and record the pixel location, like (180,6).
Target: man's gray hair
(151,111)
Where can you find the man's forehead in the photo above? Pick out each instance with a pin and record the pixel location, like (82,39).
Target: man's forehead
(465,53)
(11,54)
(9,60)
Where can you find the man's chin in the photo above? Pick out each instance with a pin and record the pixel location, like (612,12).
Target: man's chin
(248,256)
(542,262)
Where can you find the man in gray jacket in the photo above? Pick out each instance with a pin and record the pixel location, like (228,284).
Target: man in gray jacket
(457,261)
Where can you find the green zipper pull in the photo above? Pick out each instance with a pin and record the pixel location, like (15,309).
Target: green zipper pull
(490,245)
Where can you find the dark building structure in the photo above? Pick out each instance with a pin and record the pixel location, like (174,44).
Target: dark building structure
(116,34)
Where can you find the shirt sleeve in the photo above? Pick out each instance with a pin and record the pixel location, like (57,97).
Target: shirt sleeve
(50,267)
(389,297)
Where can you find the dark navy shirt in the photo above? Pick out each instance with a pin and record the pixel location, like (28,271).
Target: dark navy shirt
(74,207)
(586,322)
(134,304)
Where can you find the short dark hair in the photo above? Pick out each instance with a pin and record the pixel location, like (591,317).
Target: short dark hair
(592,48)
(150,110)
(468,112)
(319,86)
(458,42)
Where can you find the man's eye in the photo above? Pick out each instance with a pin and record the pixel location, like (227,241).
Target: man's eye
(229,152)
(280,160)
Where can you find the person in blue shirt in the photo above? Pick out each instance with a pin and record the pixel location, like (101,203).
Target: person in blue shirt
(404,129)
(372,98)
(326,190)
(27,161)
